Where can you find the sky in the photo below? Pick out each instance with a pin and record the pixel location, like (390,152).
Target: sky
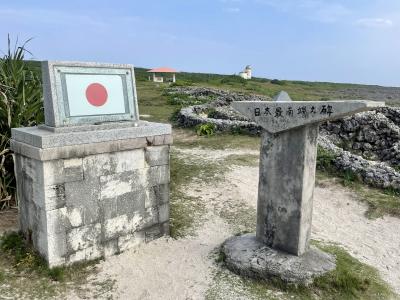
(356,41)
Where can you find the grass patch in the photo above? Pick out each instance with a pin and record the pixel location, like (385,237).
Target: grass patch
(249,160)
(25,275)
(152,101)
(187,211)
(351,280)
(380,201)
(241,217)
(186,138)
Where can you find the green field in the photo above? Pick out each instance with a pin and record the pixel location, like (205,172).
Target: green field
(298,90)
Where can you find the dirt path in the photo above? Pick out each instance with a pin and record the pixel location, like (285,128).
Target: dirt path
(339,218)
(184,268)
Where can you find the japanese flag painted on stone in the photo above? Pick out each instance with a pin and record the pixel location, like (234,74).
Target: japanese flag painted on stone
(94,94)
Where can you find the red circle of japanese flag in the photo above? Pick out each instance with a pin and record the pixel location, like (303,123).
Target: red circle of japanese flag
(96,94)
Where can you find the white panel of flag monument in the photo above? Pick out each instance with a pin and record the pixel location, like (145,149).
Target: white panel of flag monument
(89,93)
(94,94)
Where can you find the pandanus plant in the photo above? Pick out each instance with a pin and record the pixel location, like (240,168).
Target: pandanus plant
(20,105)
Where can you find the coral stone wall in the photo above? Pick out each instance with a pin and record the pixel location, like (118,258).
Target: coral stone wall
(373,135)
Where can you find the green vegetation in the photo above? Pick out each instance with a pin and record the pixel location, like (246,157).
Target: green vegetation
(278,82)
(207,129)
(153,103)
(20,105)
(24,274)
(350,280)
(325,160)
(182,83)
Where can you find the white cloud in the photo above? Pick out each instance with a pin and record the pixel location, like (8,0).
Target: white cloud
(374,23)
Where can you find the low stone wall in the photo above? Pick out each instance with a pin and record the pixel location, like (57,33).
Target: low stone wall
(374,173)
(195,115)
(373,135)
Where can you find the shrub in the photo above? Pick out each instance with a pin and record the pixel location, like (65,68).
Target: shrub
(182,83)
(233,79)
(175,115)
(207,129)
(20,105)
(325,160)
(212,113)
(278,82)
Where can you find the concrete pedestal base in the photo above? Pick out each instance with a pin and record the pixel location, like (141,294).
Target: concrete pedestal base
(246,256)
(94,193)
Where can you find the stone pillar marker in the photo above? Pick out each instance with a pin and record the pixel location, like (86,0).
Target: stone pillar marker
(281,246)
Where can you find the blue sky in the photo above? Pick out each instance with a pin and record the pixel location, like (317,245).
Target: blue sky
(319,40)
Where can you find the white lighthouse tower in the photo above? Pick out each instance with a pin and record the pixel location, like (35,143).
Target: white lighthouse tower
(246,74)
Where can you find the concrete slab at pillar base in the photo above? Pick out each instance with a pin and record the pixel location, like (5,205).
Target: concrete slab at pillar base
(246,256)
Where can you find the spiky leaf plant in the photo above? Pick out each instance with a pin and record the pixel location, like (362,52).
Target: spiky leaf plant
(20,105)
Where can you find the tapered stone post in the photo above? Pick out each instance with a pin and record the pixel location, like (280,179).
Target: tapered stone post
(286,187)
(284,209)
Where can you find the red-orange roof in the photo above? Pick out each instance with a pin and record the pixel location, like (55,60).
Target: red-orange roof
(163,70)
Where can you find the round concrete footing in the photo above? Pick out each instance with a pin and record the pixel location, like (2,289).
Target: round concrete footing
(246,256)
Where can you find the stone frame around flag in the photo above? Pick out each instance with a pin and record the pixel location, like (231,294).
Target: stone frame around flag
(58,99)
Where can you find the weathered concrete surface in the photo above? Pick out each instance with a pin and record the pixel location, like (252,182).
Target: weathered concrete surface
(286,186)
(280,116)
(41,138)
(85,201)
(247,256)
(82,150)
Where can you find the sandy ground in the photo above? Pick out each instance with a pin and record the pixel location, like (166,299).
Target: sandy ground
(184,268)
(166,268)
(339,218)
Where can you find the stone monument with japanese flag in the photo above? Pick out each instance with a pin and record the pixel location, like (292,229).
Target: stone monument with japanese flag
(281,246)
(93,180)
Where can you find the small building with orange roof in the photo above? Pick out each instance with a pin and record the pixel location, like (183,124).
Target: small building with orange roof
(160,73)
